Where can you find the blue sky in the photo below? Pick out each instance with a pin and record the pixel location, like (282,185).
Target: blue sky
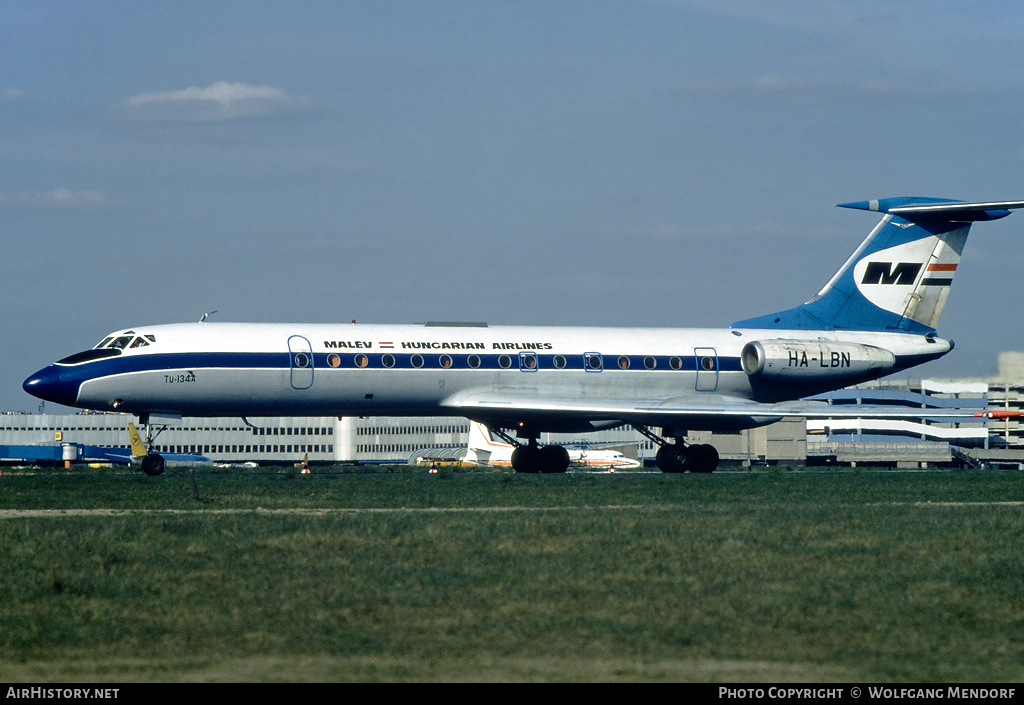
(600,162)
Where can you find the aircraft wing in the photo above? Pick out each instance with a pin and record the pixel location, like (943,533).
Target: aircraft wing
(704,412)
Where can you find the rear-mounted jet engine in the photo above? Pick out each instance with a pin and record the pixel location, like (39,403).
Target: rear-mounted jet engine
(813,360)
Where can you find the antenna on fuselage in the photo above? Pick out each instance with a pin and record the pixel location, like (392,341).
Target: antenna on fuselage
(206,315)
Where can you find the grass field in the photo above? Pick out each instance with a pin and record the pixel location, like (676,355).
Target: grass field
(344,575)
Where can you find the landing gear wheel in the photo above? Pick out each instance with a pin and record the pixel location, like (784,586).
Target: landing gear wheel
(524,459)
(673,458)
(662,460)
(153,464)
(553,459)
(703,458)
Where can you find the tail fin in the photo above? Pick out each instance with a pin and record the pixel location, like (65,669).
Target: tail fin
(483,449)
(899,278)
(138,447)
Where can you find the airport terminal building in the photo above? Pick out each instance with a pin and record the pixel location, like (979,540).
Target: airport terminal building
(966,440)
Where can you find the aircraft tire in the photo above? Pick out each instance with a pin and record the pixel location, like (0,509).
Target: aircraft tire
(526,459)
(662,460)
(153,464)
(673,458)
(703,458)
(553,459)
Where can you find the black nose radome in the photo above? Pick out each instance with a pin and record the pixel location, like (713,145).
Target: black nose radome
(49,385)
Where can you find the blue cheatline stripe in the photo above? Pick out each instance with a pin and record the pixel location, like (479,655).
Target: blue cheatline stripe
(401,361)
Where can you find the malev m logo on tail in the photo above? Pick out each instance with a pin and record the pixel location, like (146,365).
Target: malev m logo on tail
(912,279)
(883,273)
(906,273)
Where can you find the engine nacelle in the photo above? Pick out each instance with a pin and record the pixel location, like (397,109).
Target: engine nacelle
(813,360)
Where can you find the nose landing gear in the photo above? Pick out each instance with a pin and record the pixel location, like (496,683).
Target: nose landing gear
(152,463)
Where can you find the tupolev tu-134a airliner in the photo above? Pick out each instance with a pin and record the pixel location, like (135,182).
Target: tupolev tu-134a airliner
(877,315)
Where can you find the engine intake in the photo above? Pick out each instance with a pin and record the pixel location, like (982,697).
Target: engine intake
(810,360)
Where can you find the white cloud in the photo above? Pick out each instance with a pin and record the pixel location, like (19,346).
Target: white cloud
(219,101)
(61,198)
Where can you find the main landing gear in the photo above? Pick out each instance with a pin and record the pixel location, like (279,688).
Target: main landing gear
(672,457)
(676,457)
(679,457)
(531,458)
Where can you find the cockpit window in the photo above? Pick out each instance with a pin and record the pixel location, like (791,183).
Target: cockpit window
(126,340)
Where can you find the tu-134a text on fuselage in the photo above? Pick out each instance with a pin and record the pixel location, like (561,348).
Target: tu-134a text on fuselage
(877,315)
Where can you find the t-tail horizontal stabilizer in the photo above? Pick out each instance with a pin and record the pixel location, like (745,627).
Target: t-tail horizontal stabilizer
(899,278)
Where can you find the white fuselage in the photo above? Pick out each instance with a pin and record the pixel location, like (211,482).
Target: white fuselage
(214,369)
